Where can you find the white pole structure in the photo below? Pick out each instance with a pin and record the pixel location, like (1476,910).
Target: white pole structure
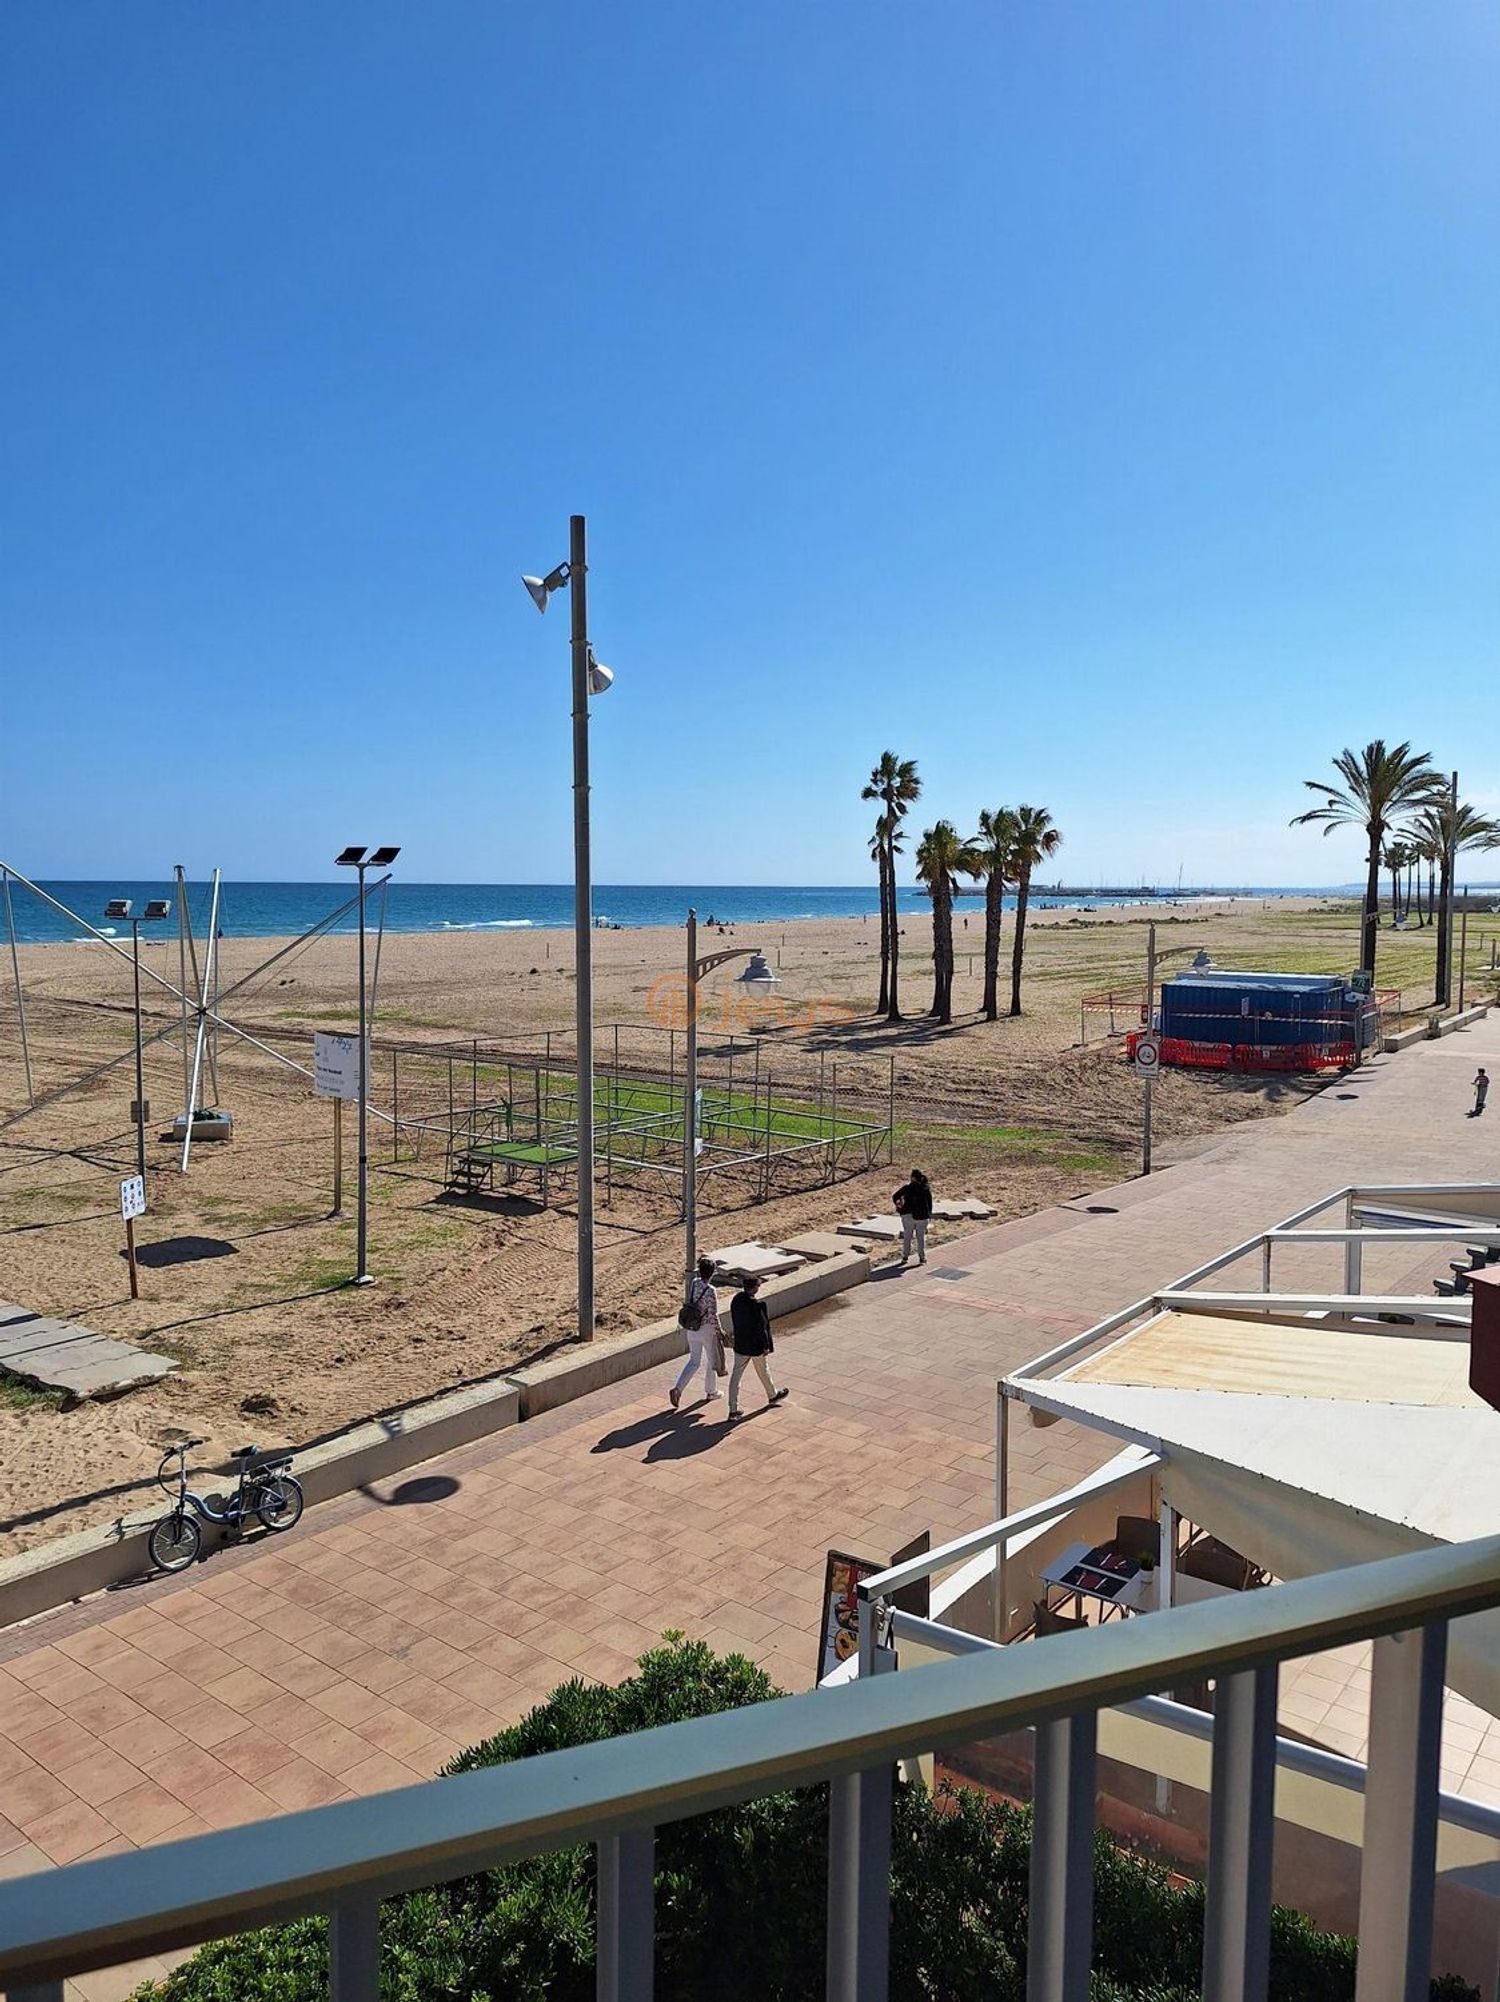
(696,969)
(583,920)
(210,954)
(182,930)
(15,967)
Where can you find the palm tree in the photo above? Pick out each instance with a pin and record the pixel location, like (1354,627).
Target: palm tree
(942,858)
(1379,785)
(1035,840)
(895,784)
(878,857)
(993,844)
(1444,831)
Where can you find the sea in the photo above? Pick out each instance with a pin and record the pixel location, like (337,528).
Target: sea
(282,910)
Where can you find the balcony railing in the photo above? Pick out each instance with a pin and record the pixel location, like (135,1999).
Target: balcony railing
(342,1860)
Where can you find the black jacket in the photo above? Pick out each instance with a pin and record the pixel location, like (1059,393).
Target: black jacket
(914,1199)
(750,1326)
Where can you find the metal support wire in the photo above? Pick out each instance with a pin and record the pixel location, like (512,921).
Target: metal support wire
(15,967)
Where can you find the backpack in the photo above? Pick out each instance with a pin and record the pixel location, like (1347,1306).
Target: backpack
(690,1316)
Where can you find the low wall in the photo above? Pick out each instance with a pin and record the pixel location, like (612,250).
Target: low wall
(73,1567)
(1437,1024)
(578,1371)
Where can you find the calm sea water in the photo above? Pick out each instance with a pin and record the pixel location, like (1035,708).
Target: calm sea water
(275,910)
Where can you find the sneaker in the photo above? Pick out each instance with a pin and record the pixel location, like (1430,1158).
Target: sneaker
(778,1395)
(675,1395)
(735,1417)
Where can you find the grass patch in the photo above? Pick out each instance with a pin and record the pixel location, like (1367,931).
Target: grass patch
(961,1149)
(17,1395)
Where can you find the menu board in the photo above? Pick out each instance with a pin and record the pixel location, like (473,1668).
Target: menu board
(839,1638)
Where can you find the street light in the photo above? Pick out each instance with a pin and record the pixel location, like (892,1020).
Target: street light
(757,979)
(590,677)
(157,908)
(356,858)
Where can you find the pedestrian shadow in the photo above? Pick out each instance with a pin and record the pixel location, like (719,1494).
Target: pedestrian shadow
(667,1435)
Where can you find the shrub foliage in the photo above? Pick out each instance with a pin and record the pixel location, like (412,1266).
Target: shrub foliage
(740,1895)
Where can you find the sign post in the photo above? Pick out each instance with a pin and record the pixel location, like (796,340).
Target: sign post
(132,1205)
(1148,1050)
(336,1076)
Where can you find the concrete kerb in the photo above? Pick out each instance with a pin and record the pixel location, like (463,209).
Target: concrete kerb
(74,1567)
(1436,1025)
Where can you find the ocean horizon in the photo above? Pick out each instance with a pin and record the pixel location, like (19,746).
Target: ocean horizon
(278,910)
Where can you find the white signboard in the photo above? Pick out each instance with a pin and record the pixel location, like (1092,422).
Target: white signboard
(1148,1054)
(132,1197)
(336,1065)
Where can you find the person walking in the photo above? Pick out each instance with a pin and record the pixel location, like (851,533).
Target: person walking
(1481,1091)
(699,1321)
(913,1204)
(750,1335)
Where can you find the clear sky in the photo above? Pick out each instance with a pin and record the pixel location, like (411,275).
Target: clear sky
(1097,402)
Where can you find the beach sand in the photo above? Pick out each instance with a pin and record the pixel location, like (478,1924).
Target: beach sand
(242,1264)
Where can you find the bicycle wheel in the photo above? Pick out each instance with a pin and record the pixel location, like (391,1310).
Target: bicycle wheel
(175,1541)
(279,1502)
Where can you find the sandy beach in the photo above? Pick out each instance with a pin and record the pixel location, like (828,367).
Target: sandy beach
(243,1267)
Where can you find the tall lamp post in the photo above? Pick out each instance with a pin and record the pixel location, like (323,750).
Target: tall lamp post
(356,858)
(757,979)
(590,677)
(157,908)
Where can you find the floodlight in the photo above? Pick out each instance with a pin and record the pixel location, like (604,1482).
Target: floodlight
(350,859)
(384,857)
(541,588)
(600,676)
(117,907)
(158,907)
(757,975)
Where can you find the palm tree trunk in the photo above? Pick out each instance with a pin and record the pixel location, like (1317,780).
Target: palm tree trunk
(893,1007)
(885,935)
(1370,915)
(1443,976)
(942,951)
(1395,897)
(1431,890)
(1018,939)
(994,892)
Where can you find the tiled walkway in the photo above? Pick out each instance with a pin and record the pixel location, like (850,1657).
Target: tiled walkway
(391,1628)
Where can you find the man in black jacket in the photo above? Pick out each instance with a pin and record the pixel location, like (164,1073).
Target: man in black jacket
(750,1335)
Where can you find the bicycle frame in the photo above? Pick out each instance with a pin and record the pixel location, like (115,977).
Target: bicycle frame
(252,1475)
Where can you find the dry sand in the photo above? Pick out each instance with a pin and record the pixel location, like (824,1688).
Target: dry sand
(244,1266)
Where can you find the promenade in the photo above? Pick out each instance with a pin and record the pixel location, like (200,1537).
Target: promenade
(396,1626)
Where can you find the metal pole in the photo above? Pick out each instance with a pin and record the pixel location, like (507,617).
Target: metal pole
(1150,1024)
(361,1228)
(690,1110)
(582,921)
(999,1609)
(1463,952)
(1446,985)
(15,967)
(140,1075)
(338,1157)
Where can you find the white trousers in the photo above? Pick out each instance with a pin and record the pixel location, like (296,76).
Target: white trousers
(762,1370)
(914,1227)
(702,1352)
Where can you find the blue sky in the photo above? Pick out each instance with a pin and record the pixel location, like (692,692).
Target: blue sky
(1096,402)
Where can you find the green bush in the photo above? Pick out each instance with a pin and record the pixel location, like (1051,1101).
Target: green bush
(740,1895)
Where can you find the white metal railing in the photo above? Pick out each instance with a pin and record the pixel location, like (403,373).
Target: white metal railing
(344,1859)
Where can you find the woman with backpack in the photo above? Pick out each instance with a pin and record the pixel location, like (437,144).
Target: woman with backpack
(913,1204)
(699,1321)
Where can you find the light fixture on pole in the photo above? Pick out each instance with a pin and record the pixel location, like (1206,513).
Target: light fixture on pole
(590,677)
(157,908)
(758,979)
(356,858)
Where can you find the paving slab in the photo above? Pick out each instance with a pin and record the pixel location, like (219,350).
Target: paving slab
(64,1356)
(739,1261)
(961,1209)
(817,1244)
(887,1229)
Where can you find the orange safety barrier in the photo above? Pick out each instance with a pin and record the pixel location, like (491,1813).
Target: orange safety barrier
(1187,1055)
